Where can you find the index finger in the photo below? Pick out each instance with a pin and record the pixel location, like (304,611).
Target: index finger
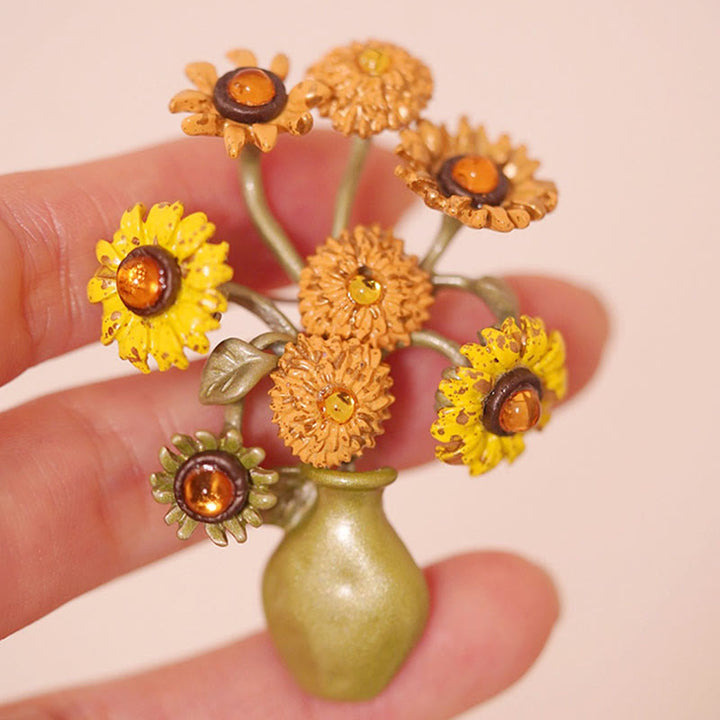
(50,221)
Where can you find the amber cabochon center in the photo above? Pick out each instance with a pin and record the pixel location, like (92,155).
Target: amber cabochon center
(477,174)
(251,87)
(374,62)
(521,411)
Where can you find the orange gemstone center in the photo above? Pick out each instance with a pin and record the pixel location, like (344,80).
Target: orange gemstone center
(208,491)
(476,174)
(374,62)
(364,290)
(141,281)
(520,411)
(251,87)
(338,405)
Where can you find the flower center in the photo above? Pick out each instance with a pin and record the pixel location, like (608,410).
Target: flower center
(249,95)
(208,491)
(147,280)
(520,411)
(364,290)
(251,87)
(374,62)
(338,405)
(476,174)
(211,486)
(514,404)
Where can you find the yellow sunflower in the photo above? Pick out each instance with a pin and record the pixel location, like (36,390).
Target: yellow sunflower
(374,86)
(158,281)
(479,182)
(329,398)
(249,104)
(362,285)
(517,373)
(214,482)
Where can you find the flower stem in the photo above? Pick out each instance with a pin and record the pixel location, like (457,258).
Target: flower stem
(250,175)
(233,416)
(348,186)
(259,305)
(448,228)
(438,343)
(494,292)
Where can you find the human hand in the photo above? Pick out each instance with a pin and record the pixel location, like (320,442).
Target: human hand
(491,613)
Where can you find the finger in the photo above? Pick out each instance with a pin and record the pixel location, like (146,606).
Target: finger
(94,447)
(50,221)
(491,616)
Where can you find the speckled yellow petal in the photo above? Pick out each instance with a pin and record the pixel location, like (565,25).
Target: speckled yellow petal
(133,341)
(132,222)
(100,287)
(512,446)
(166,347)
(108,254)
(211,301)
(206,268)
(452,422)
(115,315)
(162,222)
(468,391)
(500,353)
(489,458)
(536,341)
(191,233)
(551,367)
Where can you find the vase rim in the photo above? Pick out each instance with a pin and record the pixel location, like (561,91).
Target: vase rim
(347,480)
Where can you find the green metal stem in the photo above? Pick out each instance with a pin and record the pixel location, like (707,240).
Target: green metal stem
(348,186)
(438,343)
(448,229)
(494,292)
(250,175)
(259,305)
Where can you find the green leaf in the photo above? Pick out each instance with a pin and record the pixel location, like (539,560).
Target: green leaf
(232,371)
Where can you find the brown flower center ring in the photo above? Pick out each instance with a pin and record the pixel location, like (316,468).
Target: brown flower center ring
(250,95)
(514,404)
(211,486)
(338,404)
(476,176)
(148,280)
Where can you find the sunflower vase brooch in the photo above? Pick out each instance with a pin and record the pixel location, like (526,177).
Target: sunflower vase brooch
(344,600)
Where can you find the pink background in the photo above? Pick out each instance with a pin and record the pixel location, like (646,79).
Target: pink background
(619,498)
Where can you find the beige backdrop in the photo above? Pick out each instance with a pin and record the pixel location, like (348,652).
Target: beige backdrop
(620,498)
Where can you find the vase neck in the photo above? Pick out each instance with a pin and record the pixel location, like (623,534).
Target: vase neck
(346,480)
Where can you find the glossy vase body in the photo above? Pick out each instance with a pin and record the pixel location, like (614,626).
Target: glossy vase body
(345,602)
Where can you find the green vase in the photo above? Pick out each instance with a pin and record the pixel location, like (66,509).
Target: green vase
(344,600)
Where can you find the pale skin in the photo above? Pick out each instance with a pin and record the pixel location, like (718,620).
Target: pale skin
(491,612)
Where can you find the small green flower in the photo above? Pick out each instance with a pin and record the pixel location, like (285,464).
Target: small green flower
(216,482)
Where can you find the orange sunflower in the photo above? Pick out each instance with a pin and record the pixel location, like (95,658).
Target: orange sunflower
(329,398)
(249,104)
(479,182)
(374,85)
(363,285)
